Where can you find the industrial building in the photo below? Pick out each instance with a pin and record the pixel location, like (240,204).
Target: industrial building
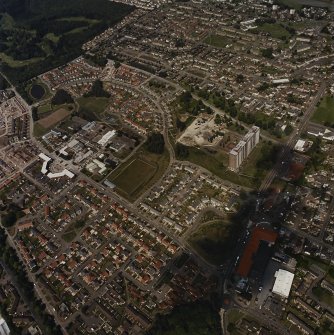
(242,150)
(4,330)
(257,254)
(45,170)
(283,283)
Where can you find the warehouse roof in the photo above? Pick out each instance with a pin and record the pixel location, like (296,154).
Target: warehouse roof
(283,282)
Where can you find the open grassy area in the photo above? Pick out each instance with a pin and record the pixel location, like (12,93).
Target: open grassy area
(213,241)
(142,173)
(46,108)
(324,296)
(39,130)
(324,114)
(40,35)
(234,315)
(330,275)
(18,63)
(195,318)
(54,118)
(92,108)
(249,166)
(290,4)
(69,236)
(275,30)
(218,41)
(217,164)
(306,262)
(134,175)
(326,327)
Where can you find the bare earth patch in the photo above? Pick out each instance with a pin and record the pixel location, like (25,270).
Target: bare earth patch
(54,118)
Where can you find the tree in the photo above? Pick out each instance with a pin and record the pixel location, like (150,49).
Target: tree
(288,129)
(8,219)
(180,124)
(34,114)
(268,53)
(240,78)
(3,83)
(62,97)
(218,119)
(97,90)
(179,43)
(264,86)
(181,151)
(155,143)
(185,99)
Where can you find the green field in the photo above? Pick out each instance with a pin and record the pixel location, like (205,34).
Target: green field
(37,36)
(275,30)
(196,318)
(214,241)
(216,164)
(18,63)
(39,131)
(92,108)
(45,108)
(218,41)
(324,296)
(134,175)
(290,4)
(69,236)
(325,112)
(145,169)
(250,166)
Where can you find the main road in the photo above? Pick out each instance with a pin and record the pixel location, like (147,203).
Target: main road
(287,148)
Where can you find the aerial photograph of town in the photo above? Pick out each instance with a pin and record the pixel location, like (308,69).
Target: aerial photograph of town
(167,167)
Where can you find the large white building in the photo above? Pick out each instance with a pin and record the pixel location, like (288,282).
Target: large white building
(4,330)
(241,151)
(283,283)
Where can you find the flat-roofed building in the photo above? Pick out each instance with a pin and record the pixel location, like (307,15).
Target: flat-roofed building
(4,330)
(283,283)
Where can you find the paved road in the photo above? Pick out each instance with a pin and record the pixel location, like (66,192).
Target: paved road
(285,152)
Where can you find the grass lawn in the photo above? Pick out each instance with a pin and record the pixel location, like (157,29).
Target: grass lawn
(324,296)
(134,175)
(39,130)
(44,108)
(218,41)
(78,18)
(330,275)
(18,63)
(69,236)
(216,164)
(325,111)
(140,173)
(249,167)
(194,318)
(6,22)
(92,108)
(213,241)
(326,327)
(290,4)
(274,29)
(234,315)
(54,118)
(306,262)
(52,37)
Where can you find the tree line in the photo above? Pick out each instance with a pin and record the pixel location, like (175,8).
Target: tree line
(10,259)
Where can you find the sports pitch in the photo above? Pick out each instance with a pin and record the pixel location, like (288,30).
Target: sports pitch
(134,175)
